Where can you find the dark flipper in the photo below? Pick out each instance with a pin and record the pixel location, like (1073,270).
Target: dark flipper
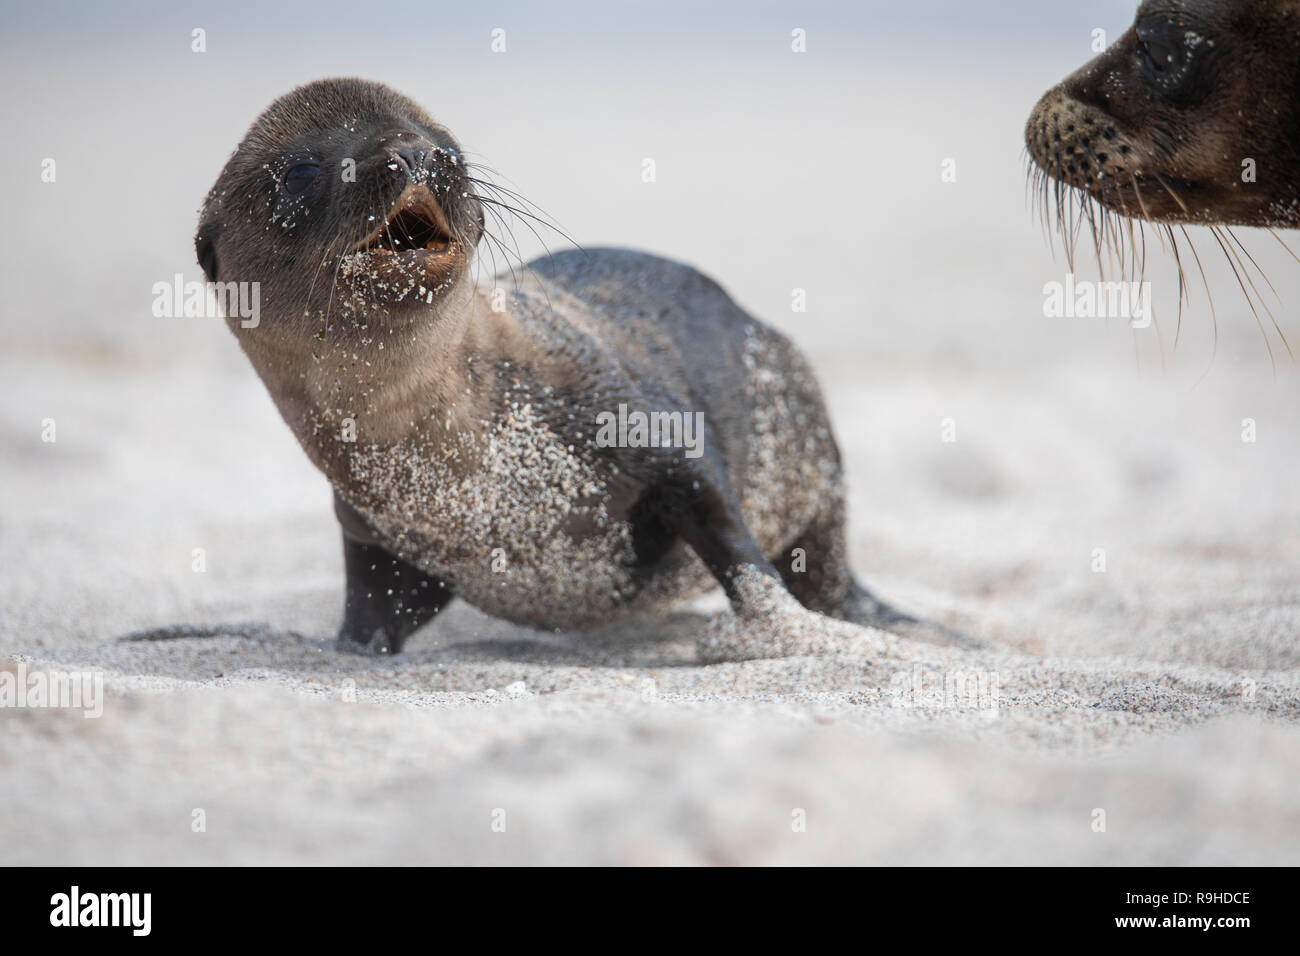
(815,569)
(387,597)
(707,515)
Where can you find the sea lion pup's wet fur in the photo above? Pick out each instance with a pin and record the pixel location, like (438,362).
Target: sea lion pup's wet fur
(1158,126)
(458,425)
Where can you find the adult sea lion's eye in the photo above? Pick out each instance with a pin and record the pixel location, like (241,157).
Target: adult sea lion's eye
(299,176)
(1163,48)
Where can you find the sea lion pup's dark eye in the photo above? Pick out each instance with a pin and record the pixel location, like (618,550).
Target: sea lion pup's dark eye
(299,176)
(1163,48)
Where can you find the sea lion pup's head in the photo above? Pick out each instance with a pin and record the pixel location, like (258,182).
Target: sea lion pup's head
(1160,125)
(344,199)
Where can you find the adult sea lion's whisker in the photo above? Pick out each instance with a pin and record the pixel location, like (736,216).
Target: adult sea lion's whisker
(1281,334)
(1214,231)
(1214,316)
(1182,284)
(1246,252)
(1274,234)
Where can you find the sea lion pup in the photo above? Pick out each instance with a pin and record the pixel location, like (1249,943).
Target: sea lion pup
(1192,116)
(468,432)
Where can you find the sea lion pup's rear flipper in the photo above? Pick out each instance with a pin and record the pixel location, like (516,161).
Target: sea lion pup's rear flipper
(387,597)
(866,609)
(779,614)
(822,581)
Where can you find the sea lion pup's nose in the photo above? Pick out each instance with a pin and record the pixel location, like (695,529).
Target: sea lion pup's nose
(412,153)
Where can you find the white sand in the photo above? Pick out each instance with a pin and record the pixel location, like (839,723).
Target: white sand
(1162,691)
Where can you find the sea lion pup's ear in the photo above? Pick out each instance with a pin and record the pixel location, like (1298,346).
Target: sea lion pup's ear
(205,247)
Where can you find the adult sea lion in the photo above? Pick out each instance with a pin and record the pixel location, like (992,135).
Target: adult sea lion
(1191,116)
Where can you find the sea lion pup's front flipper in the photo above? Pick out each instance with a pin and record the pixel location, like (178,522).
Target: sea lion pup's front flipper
(387,598)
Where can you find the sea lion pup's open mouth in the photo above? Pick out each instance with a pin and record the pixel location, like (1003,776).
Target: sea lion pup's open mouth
(414,225)
(415,242)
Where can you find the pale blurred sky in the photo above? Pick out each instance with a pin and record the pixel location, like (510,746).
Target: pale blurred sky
(568,31)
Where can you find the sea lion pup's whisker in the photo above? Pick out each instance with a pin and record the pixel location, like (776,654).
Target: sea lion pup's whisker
(506,254)
(334,275)
(494,203)
(1214,231)
(510,190)
(490,207)
(528,218)
(333,253)
(334,285)
(510,231)
(1142,235)
(517,202)
(518,214)
(517,197)
(487,206)
(1137,240)
(1139,270)
(505,226)
(325,257)
(531,210)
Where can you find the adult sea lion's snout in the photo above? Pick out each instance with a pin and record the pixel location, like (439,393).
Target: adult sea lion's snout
(1188,117)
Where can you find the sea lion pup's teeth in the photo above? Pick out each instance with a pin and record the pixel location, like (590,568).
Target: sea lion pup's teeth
(416,221)
(468,431)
